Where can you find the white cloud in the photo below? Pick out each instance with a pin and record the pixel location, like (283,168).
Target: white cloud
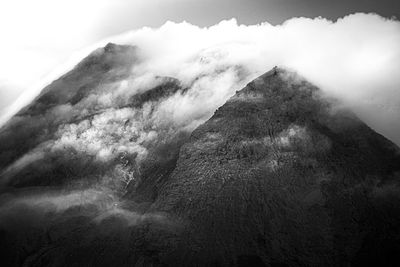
(356,59)
(107,135)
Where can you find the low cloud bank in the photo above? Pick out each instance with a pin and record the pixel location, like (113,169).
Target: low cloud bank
(356,59)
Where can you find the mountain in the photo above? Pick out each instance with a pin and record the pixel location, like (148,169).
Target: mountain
(94,172)
(31,154)
(278,176)
(35,123)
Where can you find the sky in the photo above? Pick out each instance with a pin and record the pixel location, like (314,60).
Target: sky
(40,38)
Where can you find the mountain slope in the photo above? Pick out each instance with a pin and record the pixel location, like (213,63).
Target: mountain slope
(59,137)
(278,176)
(32,124)
(101,67)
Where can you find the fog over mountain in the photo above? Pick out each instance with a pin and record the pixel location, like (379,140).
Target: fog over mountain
(355,59)
(186,146)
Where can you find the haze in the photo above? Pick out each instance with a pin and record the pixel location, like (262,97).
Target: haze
(355,58)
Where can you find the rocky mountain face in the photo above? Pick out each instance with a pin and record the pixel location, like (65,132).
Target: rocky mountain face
(278,176)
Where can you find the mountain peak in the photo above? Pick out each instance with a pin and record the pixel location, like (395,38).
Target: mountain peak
(275,71)
(110,56)
(115,48)
(284,94)
(103,66)
(280,73)
(111,46)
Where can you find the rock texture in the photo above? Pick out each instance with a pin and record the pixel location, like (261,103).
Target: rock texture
(278,177)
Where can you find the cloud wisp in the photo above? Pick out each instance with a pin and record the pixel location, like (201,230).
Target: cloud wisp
(355,59)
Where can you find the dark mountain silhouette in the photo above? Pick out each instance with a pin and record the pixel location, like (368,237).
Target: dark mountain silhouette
(278,176)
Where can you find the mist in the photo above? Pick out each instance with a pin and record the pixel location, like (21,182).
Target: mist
(355,59)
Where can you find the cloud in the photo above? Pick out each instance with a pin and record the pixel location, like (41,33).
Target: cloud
(132,218)
(355,59)
(106,135)
(60,201)
(44,208)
